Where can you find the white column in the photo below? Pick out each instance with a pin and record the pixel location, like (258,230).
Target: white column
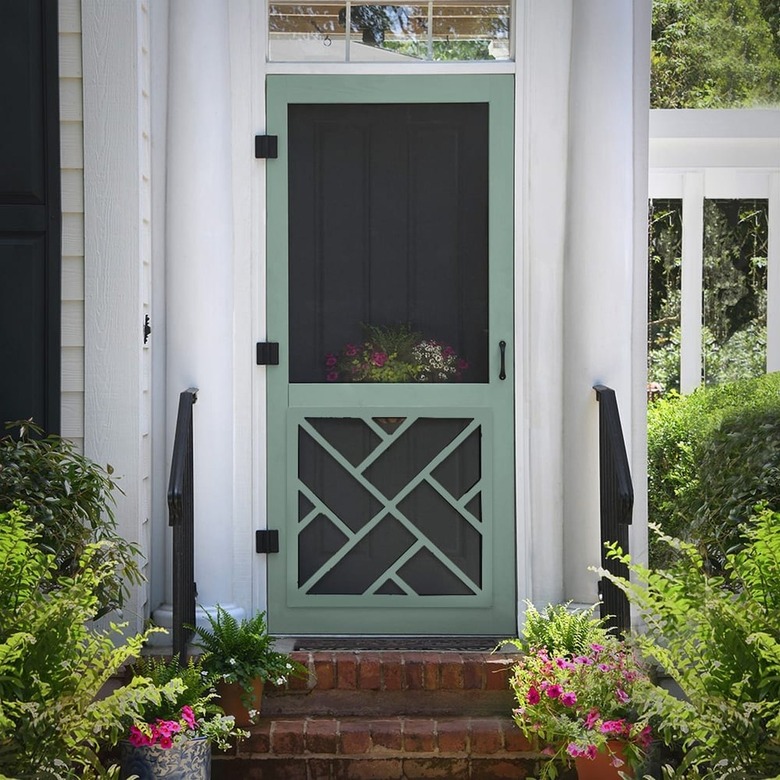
(542,153)
(199,278)
(773,277)
(607,147)
(692,281)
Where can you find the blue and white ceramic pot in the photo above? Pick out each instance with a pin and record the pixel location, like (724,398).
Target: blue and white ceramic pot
(191,760)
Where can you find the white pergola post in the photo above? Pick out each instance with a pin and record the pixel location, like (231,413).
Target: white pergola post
(199,280)
(607,199)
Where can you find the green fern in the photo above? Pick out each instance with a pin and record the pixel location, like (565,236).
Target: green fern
(560,630)
(243,651)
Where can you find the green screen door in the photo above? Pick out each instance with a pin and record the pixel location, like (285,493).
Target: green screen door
(390,414)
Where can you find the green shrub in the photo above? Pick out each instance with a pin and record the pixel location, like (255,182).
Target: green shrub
(70,499)
(53,666)
(719,640)
(717,447)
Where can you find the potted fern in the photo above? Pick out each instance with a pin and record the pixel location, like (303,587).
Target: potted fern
(241,657)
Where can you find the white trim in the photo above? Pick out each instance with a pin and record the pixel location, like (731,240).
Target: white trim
(389,68)
(117,249)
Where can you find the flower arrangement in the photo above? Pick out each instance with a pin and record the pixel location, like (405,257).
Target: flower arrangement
(184,709)
(394,354)
(580,705)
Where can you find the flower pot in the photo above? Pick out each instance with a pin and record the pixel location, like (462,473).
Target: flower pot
(189,760)
(601,767)
(230,700)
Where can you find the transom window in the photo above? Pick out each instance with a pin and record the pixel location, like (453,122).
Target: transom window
(439,30)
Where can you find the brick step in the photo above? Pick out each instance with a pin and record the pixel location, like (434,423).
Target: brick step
(314,748)
(395,683)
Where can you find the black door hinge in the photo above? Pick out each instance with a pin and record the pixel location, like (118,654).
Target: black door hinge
(267,541)
(267,353)
(266,147)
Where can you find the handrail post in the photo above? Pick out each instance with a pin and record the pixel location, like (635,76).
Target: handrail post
(617,502)
(181,516)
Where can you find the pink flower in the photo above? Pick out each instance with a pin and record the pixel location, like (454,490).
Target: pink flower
(569,699)
(574,750)
(591,719)
(597,648)
(533,697)
(330,360)
(591,752)
(166,743)
(645,736)
(137,737)
(583,659)
(350,350)
(616,762)
(622,696)
(548,751)
(614,727)
(603,667)
(554,691)
(379,359)
(188,716)
(332,376)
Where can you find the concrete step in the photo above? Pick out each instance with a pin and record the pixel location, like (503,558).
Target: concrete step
(386,715)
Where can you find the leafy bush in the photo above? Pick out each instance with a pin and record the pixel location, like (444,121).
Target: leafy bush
(53,665)
(719,640)
(70,499)
(716,448)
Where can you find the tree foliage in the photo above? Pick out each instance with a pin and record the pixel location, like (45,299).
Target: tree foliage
(715,53)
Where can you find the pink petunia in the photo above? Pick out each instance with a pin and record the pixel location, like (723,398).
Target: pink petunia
(350,350)
(591,719)
(569,699)
(591,752)
(332,376)
(574,750)
(188,716)
(554,691)
(330,360)
(533,697)
(379,359)
(137,737)
(166,743)
(622,696)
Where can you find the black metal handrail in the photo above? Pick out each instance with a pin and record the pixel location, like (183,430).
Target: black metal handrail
(617,503)
(181,516)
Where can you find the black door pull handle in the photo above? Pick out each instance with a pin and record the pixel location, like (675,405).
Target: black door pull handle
(502,370)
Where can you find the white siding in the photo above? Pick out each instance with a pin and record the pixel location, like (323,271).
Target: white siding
(72,171)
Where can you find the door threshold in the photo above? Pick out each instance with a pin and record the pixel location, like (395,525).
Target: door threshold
(469,643)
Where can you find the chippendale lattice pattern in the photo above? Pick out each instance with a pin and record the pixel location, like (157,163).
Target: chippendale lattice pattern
(390,506)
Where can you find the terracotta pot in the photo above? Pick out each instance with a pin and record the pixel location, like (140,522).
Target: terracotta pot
(191,760)
(230,700)
(600,768)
